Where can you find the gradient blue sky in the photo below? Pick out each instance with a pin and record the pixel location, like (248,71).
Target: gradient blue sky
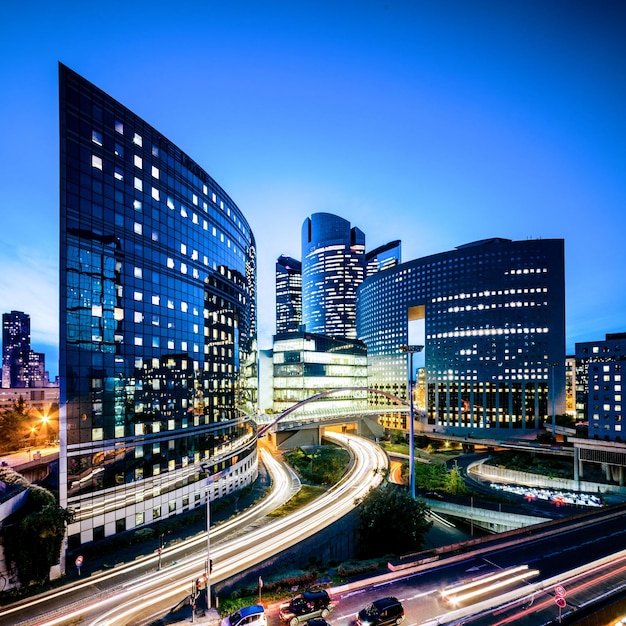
(437,123)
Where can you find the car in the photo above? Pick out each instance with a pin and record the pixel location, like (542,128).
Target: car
(253,615)
(381,612)
(308,605)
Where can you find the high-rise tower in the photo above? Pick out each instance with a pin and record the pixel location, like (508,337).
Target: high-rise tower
(288,294)
(15,349)
(333,267)
(157,326)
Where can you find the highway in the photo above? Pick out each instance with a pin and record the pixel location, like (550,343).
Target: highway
(138,595)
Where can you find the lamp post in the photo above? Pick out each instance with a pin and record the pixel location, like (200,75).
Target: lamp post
(205,467)
(411,350)
(553,365)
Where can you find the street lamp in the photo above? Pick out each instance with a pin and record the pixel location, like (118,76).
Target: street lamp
(553,365)
(205,467)
(411,350)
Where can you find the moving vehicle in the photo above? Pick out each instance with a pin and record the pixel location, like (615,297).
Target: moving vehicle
(381,612)
(247,616)
(306,606)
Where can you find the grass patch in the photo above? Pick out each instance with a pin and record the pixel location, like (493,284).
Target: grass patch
(307,494)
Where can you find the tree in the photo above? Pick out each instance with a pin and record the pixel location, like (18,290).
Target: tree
(391,522)
(454,483)
(33,535)
(14,425)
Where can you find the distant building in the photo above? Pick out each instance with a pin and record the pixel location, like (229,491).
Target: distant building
(600,366)
(306,364)
(158,323)
(288,295)
(494,319)
(333,267)
(15,349)
(383,258)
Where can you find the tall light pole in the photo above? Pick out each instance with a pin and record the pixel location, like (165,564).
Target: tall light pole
(411,350)
(553,366)
(206,467)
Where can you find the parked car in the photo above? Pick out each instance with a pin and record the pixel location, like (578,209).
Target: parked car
(381,612)
(308,605)
(248,616)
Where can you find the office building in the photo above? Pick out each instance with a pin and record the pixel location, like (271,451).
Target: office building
(494,333)
(157,323)
(333,267)
(288,295)
(599,369)
(306,364)
(15,349)
(383,258)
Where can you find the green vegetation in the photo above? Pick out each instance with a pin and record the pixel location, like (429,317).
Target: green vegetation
(534,463)
(391,522)
(14,426)
(33,535)
(324,465)
(307,494)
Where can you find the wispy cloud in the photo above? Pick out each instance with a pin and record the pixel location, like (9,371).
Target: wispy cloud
(29,282)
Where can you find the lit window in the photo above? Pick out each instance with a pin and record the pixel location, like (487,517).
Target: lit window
(155,193)
(96,310)
(138,161)
(138,296)
(137,205)
(170,263)
(195,199)
(170,203)
(138,317)
(155,172)
(138,184)
(119,173)
(138,140)
(138,228)
(96,137)
(139,341)
(156,300)
(183,268)
(96,162)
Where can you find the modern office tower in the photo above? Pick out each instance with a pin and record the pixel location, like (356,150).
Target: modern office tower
(37,375)
(15,349)
(288,295)
(383,258)
(494,338)
(157,323)
(333,266)
(599,369)
(306,364)
(570,385)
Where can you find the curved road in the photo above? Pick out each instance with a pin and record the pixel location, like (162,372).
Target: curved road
(138,596)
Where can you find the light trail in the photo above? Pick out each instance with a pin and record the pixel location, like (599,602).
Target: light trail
(127,602)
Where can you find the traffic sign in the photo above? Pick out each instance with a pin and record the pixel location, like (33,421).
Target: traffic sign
(559,590)
(560,601)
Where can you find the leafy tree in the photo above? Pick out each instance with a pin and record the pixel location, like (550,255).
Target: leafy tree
(454,482)
(14,425)
(391,522)
(32,537)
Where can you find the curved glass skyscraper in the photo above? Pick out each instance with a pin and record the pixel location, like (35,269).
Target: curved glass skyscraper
(158,323)
(333,267)
(494,317)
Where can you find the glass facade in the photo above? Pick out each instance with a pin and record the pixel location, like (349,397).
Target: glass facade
(383,258)
(494,319)
(288,295)
(15,349)
(158,322)
(599,386)
(306,364)
(333,267)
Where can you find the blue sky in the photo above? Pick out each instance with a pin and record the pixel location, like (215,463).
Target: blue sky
(437,123)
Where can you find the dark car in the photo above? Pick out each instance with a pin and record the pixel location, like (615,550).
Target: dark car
(308,605)
(381,612)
